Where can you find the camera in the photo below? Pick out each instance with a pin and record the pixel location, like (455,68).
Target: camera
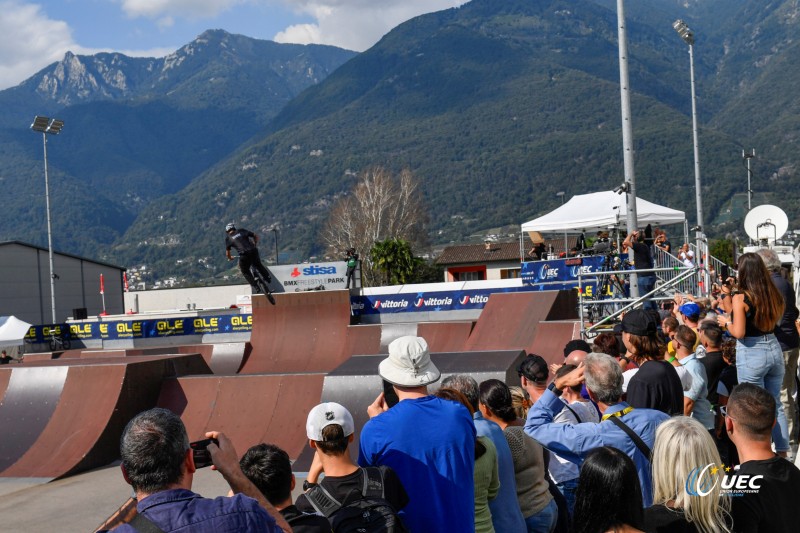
(202,457)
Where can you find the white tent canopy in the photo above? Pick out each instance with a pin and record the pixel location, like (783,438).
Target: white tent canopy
(12,331)
(600,211)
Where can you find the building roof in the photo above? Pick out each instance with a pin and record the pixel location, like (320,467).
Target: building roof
(479,253)
(494,252)
(27,245)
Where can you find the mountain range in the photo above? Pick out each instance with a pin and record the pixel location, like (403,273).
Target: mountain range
(495,106)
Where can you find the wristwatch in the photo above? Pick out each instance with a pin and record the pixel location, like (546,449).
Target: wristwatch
(552,388)
(307,485)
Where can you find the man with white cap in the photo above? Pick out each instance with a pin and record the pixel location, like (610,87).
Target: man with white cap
(428,441)
(329,429)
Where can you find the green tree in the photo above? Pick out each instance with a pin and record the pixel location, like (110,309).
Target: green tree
(722,249)
(393,257)
(382,207)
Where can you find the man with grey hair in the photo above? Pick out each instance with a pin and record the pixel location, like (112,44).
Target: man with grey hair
(159,464)
(630,430)
(505,509)
(789,339)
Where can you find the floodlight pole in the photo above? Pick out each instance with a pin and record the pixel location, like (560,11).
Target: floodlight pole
(275,231)
(47,126)
(747,156)
(627,137)
(566,242)
(688,37)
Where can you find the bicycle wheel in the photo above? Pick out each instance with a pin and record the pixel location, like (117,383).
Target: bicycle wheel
(53,344)
(66,344)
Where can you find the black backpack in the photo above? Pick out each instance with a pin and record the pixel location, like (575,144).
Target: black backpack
(370,514)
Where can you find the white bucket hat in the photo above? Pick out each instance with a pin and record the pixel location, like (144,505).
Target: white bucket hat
(409,363)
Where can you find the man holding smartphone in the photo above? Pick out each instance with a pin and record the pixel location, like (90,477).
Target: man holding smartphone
(642,259)
(158,462)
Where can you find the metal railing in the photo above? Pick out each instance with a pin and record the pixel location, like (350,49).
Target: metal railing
(667,260)
(680,274)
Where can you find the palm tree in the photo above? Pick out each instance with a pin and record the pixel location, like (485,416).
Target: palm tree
(394,258)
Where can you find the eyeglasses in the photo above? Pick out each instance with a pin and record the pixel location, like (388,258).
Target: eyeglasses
(723,409)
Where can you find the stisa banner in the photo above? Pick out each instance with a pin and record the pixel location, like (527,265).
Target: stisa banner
(310,276)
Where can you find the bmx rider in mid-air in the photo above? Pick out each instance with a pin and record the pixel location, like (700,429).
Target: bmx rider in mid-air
(245,243)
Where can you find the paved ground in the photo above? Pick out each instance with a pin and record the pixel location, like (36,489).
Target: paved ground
(79,503)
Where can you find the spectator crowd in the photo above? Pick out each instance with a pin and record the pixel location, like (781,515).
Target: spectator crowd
(682,419)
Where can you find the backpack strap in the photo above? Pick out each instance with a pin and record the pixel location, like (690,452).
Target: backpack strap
(571,410)
(144,525)
(322,501)
(637,440)
(373,482)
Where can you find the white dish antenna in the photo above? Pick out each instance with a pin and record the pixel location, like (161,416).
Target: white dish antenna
(766,223)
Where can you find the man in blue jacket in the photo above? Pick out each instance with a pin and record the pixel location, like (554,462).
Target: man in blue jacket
(159,464)
(603,378)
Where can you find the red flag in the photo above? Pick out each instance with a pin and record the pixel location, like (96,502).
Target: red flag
(125,280)
(102,287)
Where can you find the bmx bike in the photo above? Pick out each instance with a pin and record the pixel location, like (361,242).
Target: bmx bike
(59,342)
(262,284)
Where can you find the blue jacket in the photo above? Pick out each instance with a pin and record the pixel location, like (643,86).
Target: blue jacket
(506,514)
(573,442)
(184,511)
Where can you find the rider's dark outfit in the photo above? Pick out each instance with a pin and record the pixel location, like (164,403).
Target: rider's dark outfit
(244,242)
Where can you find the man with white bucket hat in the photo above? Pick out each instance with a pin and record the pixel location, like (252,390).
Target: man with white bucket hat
(429,442)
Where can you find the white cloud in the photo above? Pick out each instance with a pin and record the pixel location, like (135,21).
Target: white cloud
(354,24)
(192,9)
(30,41)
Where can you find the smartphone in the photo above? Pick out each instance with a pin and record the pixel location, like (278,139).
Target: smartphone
(725,273)
(202,457)
(389,395)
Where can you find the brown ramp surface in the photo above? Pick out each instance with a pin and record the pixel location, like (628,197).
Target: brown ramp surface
(64,417)
(510,320)
(373,339)
(551,337)
(249,409)
(304,332)
(356,383)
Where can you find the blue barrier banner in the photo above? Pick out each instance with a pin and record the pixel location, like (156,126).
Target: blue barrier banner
(144,329)
(425,301)
(564,270)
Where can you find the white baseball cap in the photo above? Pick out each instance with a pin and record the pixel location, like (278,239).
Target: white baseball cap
(326,414)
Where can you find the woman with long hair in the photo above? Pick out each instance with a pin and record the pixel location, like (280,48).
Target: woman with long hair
(486,477)
(538,507)
(682,500)
(752,314)
(656,384)
(609,497)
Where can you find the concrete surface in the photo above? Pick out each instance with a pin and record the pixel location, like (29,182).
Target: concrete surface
(81,503)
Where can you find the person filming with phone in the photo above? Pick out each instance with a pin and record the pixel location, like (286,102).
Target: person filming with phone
(159,463)
(642,260)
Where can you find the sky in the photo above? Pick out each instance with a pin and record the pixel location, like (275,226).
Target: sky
(34,34)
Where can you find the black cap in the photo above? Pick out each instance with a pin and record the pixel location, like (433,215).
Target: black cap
(639,322)
(576,344)
(534,368)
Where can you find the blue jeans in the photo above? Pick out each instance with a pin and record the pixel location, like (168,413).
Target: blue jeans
(759,360)
(568,488)
(647,282)
(545,520)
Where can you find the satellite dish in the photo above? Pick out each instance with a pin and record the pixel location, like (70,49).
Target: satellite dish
(766,223)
